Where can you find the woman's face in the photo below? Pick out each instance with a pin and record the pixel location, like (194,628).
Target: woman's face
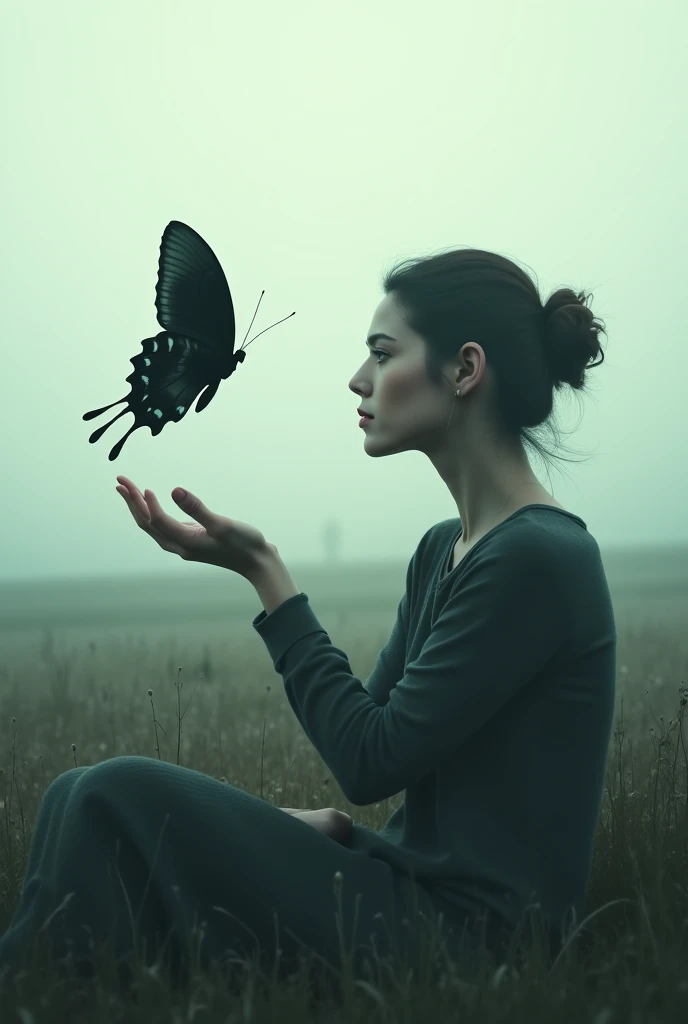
(410,411)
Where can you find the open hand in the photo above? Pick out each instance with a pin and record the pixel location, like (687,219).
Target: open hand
(213,539)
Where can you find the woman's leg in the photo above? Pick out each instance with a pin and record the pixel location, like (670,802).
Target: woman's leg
(198,864)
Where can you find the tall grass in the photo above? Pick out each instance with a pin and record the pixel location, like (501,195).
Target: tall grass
(227,716)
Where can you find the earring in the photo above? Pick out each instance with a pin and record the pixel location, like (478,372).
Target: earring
(458,391)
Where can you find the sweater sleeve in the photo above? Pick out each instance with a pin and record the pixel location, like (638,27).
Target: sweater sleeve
(500,624)
(389,667)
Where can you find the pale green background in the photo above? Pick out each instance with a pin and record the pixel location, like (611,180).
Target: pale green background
(312,145)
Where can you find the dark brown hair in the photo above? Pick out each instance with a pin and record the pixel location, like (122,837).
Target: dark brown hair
(532,349)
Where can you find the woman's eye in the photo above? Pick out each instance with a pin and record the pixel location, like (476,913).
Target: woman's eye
(378,352)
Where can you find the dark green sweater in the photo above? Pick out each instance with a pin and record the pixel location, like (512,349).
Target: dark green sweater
(491,705)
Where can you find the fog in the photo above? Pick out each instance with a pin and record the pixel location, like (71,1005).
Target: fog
(313,146)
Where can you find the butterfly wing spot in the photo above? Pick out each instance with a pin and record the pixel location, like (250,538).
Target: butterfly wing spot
(180,410)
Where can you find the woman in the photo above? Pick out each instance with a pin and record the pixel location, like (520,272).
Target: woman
(490,706)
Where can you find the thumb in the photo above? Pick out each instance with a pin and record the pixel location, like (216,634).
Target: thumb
(193,505)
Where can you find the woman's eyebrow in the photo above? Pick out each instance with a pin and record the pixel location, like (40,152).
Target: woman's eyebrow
(375,337)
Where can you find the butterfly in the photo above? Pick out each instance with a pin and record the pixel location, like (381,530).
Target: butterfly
(196,348)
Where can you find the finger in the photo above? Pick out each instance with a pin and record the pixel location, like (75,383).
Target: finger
(138,503)
(129,484)
(166,525)
(141,517)
(135,495)
(159,535)
(157,511)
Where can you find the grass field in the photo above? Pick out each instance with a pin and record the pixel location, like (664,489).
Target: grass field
(78,662)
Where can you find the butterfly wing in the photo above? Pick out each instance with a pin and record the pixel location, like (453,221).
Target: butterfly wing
(192,296)
(196,349)
(168,375)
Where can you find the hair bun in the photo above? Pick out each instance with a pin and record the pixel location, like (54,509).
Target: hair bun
(571,336)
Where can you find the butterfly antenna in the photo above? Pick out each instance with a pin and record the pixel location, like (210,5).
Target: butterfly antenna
(266,329)
(254,317)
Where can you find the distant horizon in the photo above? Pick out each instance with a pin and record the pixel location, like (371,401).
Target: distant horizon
(296,566)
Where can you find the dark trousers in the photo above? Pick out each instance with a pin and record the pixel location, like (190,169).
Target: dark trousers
(164,860)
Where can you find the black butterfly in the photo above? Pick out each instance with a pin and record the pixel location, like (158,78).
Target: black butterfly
(196,349)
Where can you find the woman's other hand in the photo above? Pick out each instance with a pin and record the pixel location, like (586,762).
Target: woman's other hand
(335,824)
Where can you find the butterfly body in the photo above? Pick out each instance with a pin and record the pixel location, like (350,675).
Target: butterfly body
(195,351)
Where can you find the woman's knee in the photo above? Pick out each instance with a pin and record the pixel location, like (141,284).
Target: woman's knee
(65,780)
(118,772)
(112,766)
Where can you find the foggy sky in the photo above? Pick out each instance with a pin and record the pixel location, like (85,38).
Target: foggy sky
(313,146)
